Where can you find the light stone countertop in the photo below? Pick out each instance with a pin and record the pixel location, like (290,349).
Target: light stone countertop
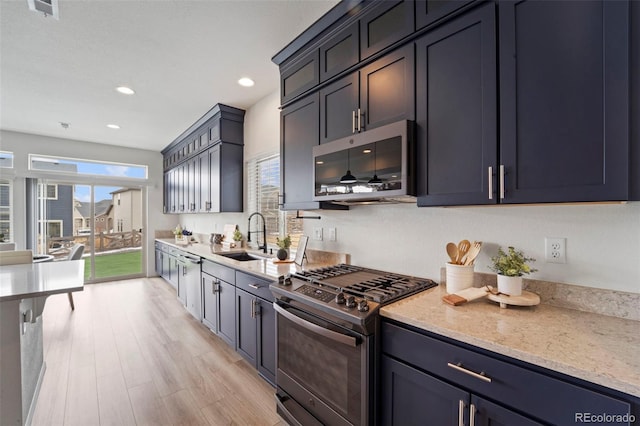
(266,267)
(593,347)
(40,279)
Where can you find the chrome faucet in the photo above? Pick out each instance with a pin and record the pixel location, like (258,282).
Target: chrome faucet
(264,231)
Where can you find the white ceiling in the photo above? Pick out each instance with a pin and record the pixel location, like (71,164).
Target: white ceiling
(181,57)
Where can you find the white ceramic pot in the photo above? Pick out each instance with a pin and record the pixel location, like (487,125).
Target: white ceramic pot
(510,285)
(458,277)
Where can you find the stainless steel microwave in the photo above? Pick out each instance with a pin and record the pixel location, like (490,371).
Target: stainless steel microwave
(373,166)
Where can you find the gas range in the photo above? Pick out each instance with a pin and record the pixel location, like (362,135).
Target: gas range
(348,294)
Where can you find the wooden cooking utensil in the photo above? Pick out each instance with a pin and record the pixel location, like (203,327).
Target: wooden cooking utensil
(463,248)
(452,251)
(473,252)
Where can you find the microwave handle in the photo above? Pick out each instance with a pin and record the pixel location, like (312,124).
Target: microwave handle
(335,336)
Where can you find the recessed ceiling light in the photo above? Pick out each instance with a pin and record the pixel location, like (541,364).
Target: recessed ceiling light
(125,90)
(113,126)
(246,82)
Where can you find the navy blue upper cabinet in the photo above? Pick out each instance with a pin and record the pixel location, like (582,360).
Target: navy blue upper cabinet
(384,24)
(456,110)
(562,108)
(429,11)
(380,93)
(340,52)
(299,76)
(564,101)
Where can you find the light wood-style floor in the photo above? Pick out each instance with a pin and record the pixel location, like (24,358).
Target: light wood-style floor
(131,355)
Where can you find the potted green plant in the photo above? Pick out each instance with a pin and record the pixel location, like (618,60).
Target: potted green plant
(283,250)
(510,267)
(237,238)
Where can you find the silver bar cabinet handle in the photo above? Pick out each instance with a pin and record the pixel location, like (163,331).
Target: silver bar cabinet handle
(501,182)
(472,415)
(490,182)
(461,413)
(460,368)
(353,121)
(359,120)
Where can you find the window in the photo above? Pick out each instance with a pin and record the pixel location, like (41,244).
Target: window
(263,196)
(86,167)
(120,225)
(53,228)
(6,159)
(5,210)
(48,191)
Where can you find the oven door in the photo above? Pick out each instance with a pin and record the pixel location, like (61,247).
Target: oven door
(322,368)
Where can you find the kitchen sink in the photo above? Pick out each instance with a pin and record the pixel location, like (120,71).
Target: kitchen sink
(242,256)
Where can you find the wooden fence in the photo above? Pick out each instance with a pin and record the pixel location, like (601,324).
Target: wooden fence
(61,246)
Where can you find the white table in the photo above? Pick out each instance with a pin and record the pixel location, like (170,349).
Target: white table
(23,291)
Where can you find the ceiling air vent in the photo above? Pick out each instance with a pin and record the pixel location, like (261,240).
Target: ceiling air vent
(48,7)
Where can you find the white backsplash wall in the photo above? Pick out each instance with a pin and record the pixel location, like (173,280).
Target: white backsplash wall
(603,241)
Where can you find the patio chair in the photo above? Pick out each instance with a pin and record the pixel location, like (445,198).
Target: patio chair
(75,254)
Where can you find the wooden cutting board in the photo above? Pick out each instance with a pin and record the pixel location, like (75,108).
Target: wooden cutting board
(464,296)
(525,299)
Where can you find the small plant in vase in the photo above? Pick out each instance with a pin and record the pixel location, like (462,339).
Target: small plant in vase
(283,250)
(510,267)
(237,238)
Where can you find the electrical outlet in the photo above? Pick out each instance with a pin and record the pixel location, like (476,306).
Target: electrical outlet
(317,234)
(555,250)
(332,234)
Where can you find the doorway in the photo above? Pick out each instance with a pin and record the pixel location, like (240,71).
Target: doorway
(107,219)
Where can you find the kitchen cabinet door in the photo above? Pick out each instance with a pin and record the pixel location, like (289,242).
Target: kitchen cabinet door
(385,24)
(181,184)
(340,52)
(338,108)
(380,93)
(210,302)
(387,89)
(191,184)
(299,76)
(204,183)
(429,11)
(411,397)
(230,178)
(457,111)
(266,340)
(246,325)
(487,413)
(227,310)
(564,100)
(299,130)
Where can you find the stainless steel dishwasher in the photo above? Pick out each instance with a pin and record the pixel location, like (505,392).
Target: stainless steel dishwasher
(189,290)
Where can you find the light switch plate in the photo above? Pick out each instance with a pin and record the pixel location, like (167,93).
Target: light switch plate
(317,234)
(331,234)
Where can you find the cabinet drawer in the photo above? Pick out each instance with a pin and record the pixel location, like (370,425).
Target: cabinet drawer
(254,285)
(546,398)
(219,271)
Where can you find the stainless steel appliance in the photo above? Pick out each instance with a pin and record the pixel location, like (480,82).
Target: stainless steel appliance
(326,325)
(376,165)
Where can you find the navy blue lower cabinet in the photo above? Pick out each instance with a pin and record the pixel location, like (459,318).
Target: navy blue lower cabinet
(425,375)
(486,413)
(411,397)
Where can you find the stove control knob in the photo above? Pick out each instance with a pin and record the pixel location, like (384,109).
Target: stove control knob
(281,279)
(340,300)
(287,281)
(363,306)
(350,302)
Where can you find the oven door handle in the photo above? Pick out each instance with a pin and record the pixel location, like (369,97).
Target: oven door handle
(333,335)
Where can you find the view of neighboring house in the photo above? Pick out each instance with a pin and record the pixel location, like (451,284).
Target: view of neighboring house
(127,209)
(57,202)
(82,217)
(122,213)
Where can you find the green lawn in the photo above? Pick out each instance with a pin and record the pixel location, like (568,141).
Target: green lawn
(115,264)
